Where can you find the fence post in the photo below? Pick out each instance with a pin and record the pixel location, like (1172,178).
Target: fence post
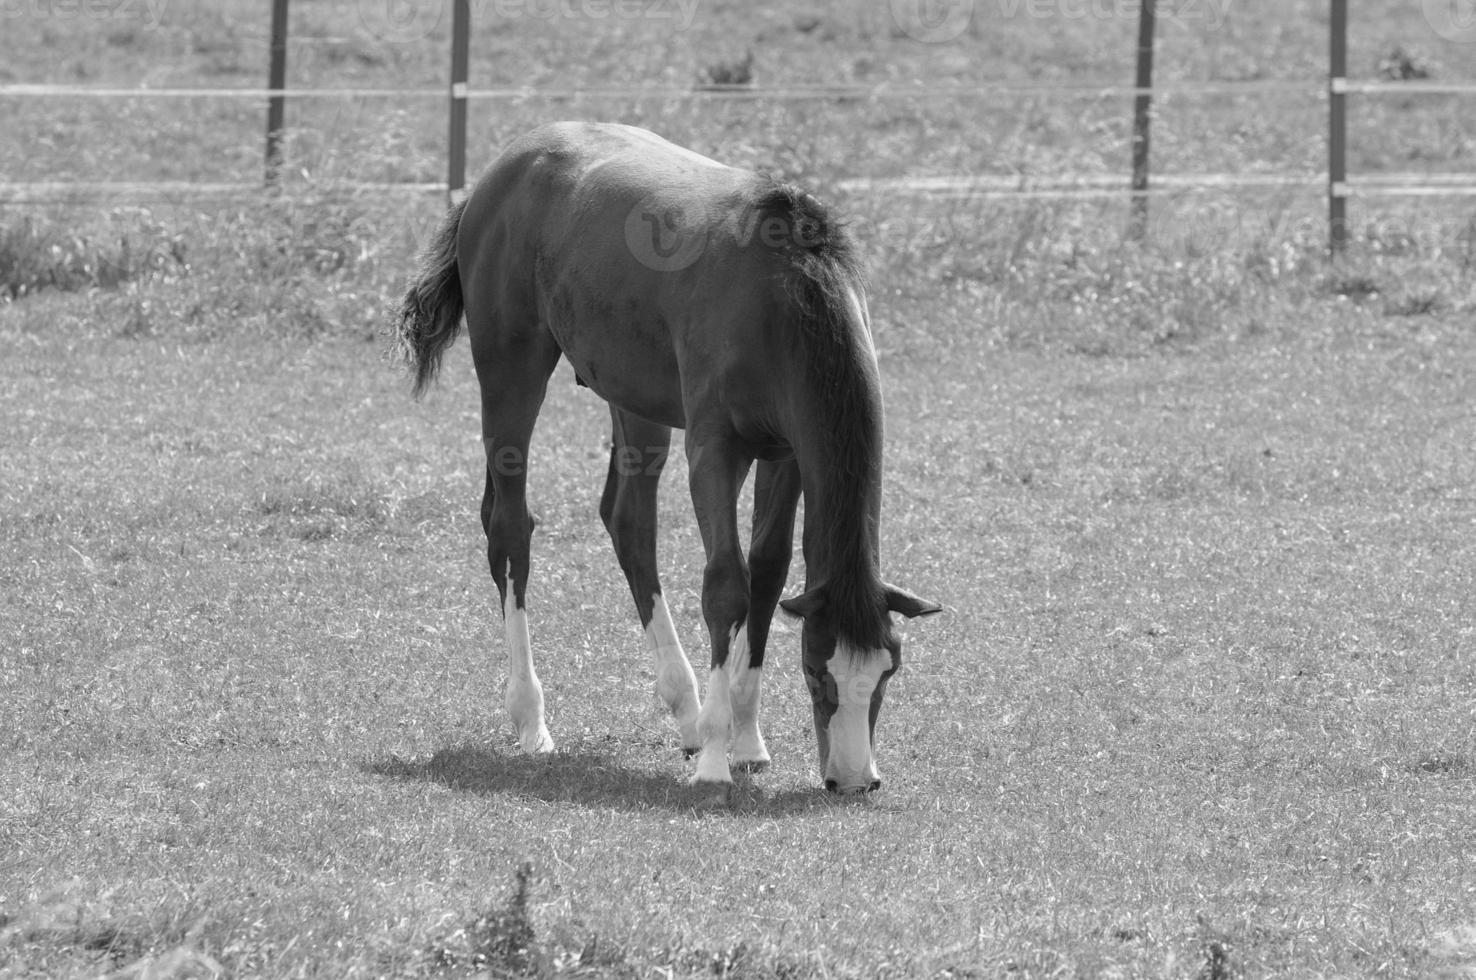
(1142,115)
(460,50)
(1337,129)
(276,82)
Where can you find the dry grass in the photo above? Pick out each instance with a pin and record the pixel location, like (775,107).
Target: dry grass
(1203,679)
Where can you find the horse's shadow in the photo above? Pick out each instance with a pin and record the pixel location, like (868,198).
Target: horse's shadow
(583,776)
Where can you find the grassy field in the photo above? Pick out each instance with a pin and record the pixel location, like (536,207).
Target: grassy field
(1202,512)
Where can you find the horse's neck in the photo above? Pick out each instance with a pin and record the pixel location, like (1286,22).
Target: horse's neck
(842,511)
(838,422)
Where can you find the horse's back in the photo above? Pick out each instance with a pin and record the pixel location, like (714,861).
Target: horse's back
(622,247)
(567,174)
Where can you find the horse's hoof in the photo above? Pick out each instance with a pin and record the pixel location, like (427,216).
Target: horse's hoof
(751,765)
(539,742)
(831,786)
(712,796)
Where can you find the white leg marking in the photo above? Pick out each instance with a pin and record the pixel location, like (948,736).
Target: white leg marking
(715,720)
(852,763)
(749,750)
(524,695)
(675,682)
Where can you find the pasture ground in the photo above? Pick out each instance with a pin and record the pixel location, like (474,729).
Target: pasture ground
(1203,701)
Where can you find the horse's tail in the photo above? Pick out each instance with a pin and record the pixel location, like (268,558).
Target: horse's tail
(430,315)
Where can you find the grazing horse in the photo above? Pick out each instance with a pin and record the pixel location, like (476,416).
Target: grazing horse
(689,295)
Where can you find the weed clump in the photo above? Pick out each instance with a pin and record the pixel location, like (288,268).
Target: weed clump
(502,941)
(728,74)
(505,938)
(37,255)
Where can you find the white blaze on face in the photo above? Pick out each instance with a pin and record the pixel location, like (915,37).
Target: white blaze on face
(524,696)
(675,682)
(856,673)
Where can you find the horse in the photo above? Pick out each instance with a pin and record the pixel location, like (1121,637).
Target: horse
(688,295)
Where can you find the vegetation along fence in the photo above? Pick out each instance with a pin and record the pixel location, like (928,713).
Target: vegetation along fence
(1140,185)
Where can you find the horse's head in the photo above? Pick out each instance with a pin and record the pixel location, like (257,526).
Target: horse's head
(847,683)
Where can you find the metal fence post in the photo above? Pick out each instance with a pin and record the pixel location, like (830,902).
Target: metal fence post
(1337,130)
(276,82)
(1142,115)
(460,52)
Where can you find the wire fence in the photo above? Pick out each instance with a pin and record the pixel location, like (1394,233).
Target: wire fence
(880,92)
(1335,89)
(966,187)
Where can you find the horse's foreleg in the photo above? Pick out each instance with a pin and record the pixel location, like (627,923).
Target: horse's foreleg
(637,454)
(776,491)
(716,472)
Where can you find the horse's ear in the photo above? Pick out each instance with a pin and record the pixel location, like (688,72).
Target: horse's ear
(909,605)
(805,604)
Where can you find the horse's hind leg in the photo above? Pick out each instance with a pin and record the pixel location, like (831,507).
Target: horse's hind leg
(776,491)
(513,376)
(637,453)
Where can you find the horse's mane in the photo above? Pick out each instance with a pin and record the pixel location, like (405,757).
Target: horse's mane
(817,243)
(823,268)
